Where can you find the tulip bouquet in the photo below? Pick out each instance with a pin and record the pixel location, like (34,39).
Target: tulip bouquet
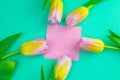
(39,46)
(63,66)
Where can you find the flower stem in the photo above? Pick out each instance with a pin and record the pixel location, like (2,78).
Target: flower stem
(112,47)
(89,7)
(11,54)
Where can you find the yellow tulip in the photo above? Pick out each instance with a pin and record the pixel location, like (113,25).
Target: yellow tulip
(56,11)
(77,16)
(80,13)
(62,68)
(34,47)
(94,45)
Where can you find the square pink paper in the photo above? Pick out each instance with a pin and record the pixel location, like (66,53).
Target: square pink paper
(63,40)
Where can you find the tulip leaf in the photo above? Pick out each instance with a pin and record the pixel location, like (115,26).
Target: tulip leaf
(47,3)
(92,2)
(114,34)
(115,40)
(6,69)
(52,73)
(42,73)
(7,43)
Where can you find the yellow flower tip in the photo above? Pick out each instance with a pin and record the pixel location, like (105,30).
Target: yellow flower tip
(93,45)
(56,10)
(77,16)
(63,67)
(34,47)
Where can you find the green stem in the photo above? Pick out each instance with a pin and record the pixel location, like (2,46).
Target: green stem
(112,47)
(10,54)
(89,7)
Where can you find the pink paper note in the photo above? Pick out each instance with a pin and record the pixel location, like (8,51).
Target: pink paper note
(63,40)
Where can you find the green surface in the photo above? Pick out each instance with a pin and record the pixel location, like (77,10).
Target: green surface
(26,16)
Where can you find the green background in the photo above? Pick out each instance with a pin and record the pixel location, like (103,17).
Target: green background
(27,17)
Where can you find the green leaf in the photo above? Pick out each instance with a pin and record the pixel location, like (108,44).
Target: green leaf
(115,40)
(114,34)
(47,3)
(52,73)
(42,73)
(7,43)
(6,69)
(92,2)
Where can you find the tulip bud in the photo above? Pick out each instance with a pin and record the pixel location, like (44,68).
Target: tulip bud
(56,10)
(94,45)
(77,16)
(34,47)
(80,13)
(63,67)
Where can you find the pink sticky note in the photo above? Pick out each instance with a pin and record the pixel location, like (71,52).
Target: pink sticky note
(63,40)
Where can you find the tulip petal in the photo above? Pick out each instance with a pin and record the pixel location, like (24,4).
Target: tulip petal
(63,67)
(77,16)
(56,9)
(34,47)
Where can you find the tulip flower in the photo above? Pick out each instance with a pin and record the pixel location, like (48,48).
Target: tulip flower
(81,13)
(94,45)
(63,67)
(34,47)
(56,10)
